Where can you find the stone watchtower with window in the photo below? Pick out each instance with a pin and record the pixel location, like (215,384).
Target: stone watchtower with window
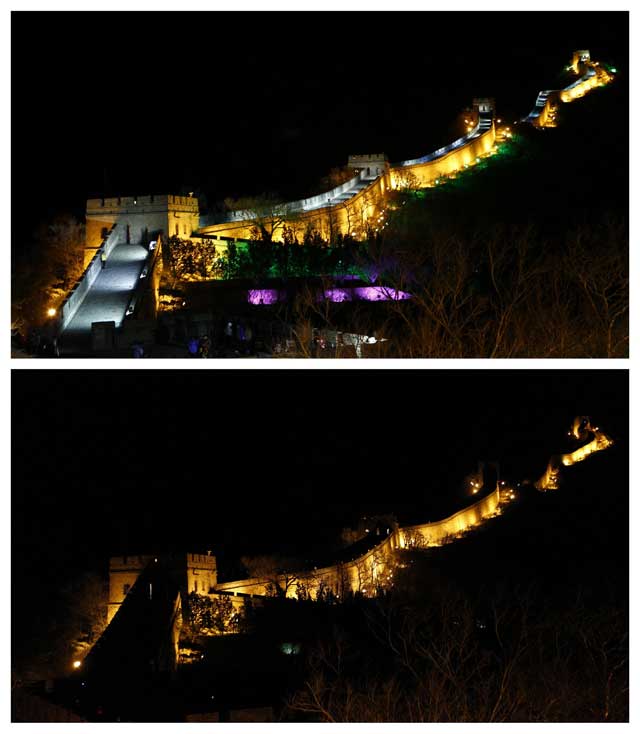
(581,56)
(139,219)
(372,165)
(192,572)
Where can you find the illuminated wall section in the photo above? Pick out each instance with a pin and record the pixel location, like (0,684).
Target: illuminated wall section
(138,218)
(123,573)
(349,216)
(599,443)
(595,77)
(426,174)
(580,57)
(543,114)
(551,478)
(375,567)
(366,206)
(435,533)
(194,571)
(201,572)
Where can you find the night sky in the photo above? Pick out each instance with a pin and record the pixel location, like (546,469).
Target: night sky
(229,104)
(267,461)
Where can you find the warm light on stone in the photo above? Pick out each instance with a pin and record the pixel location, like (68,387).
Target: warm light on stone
(580,428)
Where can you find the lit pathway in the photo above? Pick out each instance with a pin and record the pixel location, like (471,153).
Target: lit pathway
(109,296)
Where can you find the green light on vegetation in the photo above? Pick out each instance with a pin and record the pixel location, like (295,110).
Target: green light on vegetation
(613,69)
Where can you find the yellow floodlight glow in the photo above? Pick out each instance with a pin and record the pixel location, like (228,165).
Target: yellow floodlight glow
(51,312)
(77,664)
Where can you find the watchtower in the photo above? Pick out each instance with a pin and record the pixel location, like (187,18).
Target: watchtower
(123,573)
(140,218)
(484,105)
(372,165)
(580,57)
(190,571)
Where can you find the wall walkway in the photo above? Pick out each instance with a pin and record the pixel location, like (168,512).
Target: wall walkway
(544,112)
(359,202)
(374,566)
(348,208)
(107,296)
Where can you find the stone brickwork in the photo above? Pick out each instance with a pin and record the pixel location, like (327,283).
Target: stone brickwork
(141,218)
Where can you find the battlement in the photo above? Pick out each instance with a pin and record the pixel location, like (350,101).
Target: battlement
(367,159)
(372,165)
(141,218)
(193,572)
(198,560)
(149,202)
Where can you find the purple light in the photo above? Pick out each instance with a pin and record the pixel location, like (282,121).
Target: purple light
(366,293)
(269,296)
(264,296)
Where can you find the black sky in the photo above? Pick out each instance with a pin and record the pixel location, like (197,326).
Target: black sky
(236,103)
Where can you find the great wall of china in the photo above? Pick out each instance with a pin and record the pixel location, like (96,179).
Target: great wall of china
(369,569)
(123,229)
(349,207)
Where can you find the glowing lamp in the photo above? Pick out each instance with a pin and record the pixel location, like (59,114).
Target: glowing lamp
(51,312)
(77,664)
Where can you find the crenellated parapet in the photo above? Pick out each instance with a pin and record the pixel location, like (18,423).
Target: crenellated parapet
(141,218)
(192,572)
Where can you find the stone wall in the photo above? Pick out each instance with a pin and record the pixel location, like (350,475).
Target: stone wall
(123,573)
(374,566)
(363,209)
(201,572)
(192,571)
(363,573)
(142,218)
(434,533)
(551,477)
(370,164)
(594,76)
(76,296)
(426,174)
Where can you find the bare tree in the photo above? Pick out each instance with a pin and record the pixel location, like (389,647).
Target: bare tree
(454,662)
(267,213)
(275,570)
